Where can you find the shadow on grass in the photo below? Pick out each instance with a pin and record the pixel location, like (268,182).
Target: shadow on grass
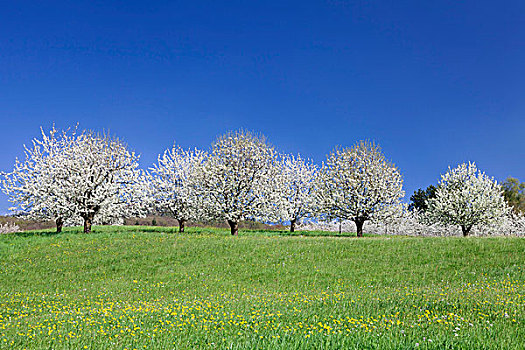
(120,230)
(47,232)
(36,233)
(286,233)
(212,231)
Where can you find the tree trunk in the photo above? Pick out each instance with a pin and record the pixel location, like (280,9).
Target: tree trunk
(234,226)
(292,225)
(60,224)
(340,224)
(359,222)
(466,229)
(181,225)
(88,220)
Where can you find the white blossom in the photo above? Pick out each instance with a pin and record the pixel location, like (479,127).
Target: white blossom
(359,184)
(9,228)
(173,186)
(466,197)
(297,185)
(414,223)
(239,179)
(100,176)
(34,187)
(94,177)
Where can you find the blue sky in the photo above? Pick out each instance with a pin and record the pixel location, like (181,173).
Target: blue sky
(435,83)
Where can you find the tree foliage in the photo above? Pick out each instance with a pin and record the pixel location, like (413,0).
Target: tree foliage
(76,176)
(360,184)
(34,187)
(100,177)
(466,196)
(514,193)
(174,189)
(297,186)
(420,198)
(239,179)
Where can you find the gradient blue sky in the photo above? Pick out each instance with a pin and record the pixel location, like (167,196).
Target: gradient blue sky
(435,83)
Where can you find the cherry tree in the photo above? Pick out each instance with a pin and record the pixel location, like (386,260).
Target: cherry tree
(67,176)
(34,187)
(359,184)
(173,186)
(100,175)
(238,179)
(9,227)
(297,186)
(466,196)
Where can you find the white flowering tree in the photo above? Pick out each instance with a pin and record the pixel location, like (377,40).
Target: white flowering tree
(466,197)
(414,223)
(34,187)
(239,179)
(9,227)
(360,184)
(100,176)
(75,177)
(174,187)
(297,186)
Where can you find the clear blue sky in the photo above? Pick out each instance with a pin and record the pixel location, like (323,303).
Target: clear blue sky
(435,83)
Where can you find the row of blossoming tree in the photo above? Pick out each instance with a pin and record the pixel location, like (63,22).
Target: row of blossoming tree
(84,177)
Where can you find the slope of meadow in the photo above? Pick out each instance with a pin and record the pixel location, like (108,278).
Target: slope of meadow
(138,287)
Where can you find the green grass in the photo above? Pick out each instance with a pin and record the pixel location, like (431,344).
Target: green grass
(148,287)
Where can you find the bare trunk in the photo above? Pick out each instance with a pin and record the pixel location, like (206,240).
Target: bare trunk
(88,220)
(234,226)
(292,225)
(359,222)
(88,217)
(60,223)
(340,224)
(181,225)
(466,229)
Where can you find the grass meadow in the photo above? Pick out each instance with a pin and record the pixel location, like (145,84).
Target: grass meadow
(149,287)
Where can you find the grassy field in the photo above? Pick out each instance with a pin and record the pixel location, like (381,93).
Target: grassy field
(144,287)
